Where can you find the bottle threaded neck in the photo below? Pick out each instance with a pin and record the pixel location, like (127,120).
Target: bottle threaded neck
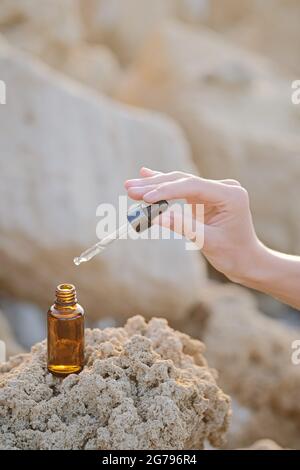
(66,294)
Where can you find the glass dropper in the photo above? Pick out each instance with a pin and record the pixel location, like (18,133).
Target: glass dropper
(101,245)
(140,217)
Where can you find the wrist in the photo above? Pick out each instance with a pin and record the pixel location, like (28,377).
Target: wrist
(255,267)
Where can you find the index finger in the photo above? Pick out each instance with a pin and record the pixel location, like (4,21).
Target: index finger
(192,187)
(157,178)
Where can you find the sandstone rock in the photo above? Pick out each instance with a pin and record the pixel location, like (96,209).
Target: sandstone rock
(264,444)
(124,25)
(6,335)
(144,386)
(93,65)
(35,42)
(194,11)
(53,32)
(57,20)
(236,110)
(261,423)
(279,40)
(254,356)
(96,66)
(222,17)
(65,150)
(245,23)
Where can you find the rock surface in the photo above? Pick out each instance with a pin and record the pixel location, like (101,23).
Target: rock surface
(46,27)
(264,444)
(254,356)
(124,25)
(144,386)
(95,66)
(261,423)
(65,150)
(231,13)
(279,40)
(57,21)
(55,34)
(227,99)
(11,345)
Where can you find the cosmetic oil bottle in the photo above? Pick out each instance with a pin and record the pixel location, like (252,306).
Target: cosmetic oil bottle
(65,333)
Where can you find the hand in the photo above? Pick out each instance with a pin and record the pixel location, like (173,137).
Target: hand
(230,241)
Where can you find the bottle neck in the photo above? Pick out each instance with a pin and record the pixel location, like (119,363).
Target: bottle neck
(65,295)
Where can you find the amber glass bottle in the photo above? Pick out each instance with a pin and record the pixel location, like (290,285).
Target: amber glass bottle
(65,333)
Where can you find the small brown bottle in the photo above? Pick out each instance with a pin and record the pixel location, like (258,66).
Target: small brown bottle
(65,333)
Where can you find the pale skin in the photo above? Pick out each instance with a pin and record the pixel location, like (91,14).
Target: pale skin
(230,241)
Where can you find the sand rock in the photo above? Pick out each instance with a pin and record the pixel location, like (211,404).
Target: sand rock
(56,20)
(95,66)
(124,25)
(245,23)
(264,444)
(261,423)
(254,356)
(59,41)
(237,113)
(53,32)
(37,43)
(11,345)
(145,386)
(279,40)
(65,150)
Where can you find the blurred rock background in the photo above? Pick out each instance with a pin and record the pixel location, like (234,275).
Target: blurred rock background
(95,90)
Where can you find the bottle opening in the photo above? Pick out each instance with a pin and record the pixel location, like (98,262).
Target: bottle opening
(66,287)
(66,294)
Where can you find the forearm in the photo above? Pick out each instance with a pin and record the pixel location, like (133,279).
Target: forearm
(275,274)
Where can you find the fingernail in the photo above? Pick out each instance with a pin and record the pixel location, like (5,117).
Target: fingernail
(135,189)
(129,183)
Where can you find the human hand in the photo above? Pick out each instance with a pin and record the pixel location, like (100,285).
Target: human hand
(230,242)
